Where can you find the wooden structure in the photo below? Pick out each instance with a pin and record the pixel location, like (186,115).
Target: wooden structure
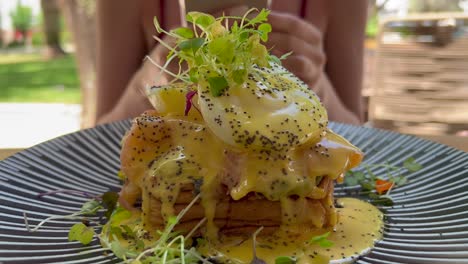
(420,81)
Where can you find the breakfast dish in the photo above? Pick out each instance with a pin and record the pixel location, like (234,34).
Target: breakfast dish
(252,142)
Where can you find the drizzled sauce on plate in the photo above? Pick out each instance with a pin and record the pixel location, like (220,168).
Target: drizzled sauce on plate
(359,227)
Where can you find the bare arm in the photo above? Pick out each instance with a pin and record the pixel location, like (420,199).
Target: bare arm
(120,50)
(344,44)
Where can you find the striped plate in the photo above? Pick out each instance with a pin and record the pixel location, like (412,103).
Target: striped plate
(427,224)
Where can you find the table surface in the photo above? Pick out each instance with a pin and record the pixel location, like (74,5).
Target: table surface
(450,140)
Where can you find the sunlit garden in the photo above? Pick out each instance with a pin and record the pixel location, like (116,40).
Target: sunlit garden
(34,65)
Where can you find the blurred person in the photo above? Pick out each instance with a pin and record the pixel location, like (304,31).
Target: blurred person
(325,36)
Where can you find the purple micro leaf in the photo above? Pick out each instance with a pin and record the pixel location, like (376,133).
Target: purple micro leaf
(188,101)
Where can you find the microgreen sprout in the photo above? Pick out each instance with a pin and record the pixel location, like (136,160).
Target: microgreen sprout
(81,231)
(170,247)
(255,259)
(322,240)
(75,192)
(285,260)
(377,189)
(219,55)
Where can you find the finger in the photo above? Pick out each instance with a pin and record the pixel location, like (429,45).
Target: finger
(303,68)
(237,10)
(287,23)
(160,51)
(158,60)
(285,43)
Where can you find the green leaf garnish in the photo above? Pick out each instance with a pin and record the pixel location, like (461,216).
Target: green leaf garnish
(183,32)
(368,185)
(411,165)
(157,25)
(128,231)
(109,200)
(217,85)
(90,207)
(200,19)
(81,232)
(116,231)
(239,76)
(191,45)
(121,175)
(383,200)
(264,29)
(354,178)
(243,36)
(367,179)
(273,58)
(284,56)
(322,240)
(172,220)
(261,17)
(193,75)
(400,180)
(223,49)
(118,250)
(119,215)
(285,260)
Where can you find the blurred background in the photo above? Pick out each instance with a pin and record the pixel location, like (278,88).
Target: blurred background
(416,66)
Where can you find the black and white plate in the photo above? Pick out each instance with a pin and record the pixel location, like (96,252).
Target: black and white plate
(427,224)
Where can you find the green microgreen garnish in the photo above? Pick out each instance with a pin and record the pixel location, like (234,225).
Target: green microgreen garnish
(121,175)
(81,232)
(411,165)
(377,189)
(255,259)
(285,260)
(109,201)
(75,192)
(322,240)
(170,247)
(219,55)
(90,207)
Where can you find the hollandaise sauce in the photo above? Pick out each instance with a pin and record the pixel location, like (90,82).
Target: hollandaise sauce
(359,227)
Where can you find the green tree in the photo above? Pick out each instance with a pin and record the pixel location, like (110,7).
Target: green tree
(52,28)
(373,9)
(1,32)
(80,17)
(22,18)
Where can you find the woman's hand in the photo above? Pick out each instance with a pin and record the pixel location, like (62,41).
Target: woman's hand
(307,61)
(293,34)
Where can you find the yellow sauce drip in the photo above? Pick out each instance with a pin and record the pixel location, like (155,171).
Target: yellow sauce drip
(297,171)
(183,159)
(359,227)
(182,151)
